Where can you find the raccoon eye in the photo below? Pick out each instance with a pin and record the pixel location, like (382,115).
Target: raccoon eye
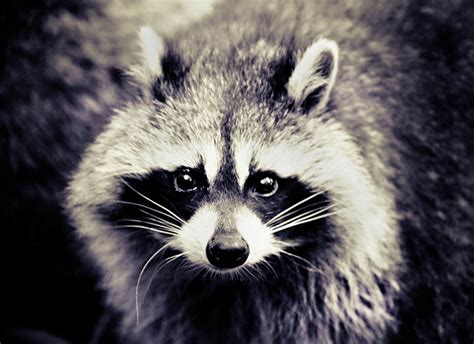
(265,186)
(185,181)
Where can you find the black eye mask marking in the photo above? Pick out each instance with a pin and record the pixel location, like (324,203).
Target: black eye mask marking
(183,191)
(269,195)
(168,195)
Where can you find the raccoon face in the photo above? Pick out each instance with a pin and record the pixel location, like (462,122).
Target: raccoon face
(215,222)
(213,188)
(222,186)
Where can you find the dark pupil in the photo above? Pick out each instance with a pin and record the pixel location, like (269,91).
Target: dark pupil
(265,185)
(185,182)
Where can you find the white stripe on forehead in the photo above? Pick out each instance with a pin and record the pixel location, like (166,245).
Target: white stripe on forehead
(284,159)
(173,156)
(243,153)
(142,159)
(191,156)
(196,233)
(258,236)
(212,160)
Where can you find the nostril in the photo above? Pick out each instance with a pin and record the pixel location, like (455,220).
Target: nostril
(227,252)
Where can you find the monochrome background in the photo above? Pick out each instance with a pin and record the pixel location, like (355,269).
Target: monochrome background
(62,70)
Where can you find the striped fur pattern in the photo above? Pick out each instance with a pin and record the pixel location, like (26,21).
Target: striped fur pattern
(233,100)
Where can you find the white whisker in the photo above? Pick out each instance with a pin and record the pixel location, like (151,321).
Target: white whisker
(206,275)
(305,220)
(160,220)
(259,270)
(313,268)
(313,206)
(155,203)
(302,216)
(141,274)
(247,269)
(153,223)
(269,266)
(147,228)
(273,219)
(159,267)
(192,268)
(146,207)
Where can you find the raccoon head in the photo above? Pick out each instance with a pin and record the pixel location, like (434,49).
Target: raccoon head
(228,163)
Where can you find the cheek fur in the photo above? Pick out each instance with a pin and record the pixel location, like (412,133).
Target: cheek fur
(196,233)
(261,241)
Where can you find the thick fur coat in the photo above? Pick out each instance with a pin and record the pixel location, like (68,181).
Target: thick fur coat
(389,143)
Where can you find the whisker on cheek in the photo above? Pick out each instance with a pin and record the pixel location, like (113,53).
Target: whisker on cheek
(154,230)
(276,217)
(154,224)
(312,267)
(298,210)
(158,268)
(140,275)
(172,214)
(141,207)
(307,219)
(162,221)
(268,265)
(302,216)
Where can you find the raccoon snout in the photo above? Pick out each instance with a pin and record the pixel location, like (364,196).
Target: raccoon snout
(227,251)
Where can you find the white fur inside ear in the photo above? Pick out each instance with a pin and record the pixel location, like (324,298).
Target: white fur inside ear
(315,72)
(152,48)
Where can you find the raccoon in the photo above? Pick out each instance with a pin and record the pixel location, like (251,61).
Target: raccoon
(289,173)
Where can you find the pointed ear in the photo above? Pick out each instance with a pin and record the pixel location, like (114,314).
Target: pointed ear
(161,67)
(314,75)
(149,70)
(152,52)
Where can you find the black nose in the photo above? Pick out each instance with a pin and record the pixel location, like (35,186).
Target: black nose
(227,251)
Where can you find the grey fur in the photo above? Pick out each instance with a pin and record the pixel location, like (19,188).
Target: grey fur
(61,69)
(399,119)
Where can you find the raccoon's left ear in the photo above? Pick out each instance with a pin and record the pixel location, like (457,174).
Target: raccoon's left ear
(161,70)
(314,75)
(152,51)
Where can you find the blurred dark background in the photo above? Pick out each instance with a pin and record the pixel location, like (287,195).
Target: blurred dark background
(61,72)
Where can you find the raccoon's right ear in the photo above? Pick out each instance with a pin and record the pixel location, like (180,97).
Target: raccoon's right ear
(152,50)
(314,75)
(160,66)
